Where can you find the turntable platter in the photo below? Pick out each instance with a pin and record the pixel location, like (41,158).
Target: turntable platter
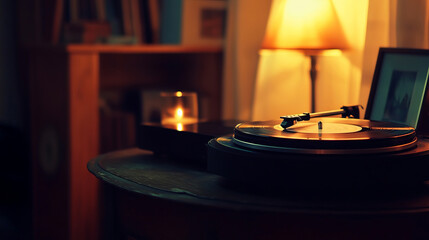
(336,136)
(345,153)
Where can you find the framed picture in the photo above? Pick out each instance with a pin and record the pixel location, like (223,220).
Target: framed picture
(203,22)
(399,87)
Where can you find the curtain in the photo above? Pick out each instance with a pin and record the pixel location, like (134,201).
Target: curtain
(393,23)
(245,29)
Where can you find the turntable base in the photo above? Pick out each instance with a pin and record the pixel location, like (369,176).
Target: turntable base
(317,171)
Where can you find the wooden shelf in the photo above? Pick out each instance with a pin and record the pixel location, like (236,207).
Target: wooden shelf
(138,49)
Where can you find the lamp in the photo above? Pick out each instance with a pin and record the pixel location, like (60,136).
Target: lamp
(311,26)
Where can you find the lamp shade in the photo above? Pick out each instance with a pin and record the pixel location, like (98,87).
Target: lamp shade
(308,25)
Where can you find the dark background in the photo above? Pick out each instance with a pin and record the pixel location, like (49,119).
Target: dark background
(15,200)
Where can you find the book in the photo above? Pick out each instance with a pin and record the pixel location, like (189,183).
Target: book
(86,32)
(100,6)
(126,17)
(154,19)
(136,20)
(171,21)
(114,16)
(146,13)
(74,10)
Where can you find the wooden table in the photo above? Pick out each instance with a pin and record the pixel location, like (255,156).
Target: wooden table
(146,197)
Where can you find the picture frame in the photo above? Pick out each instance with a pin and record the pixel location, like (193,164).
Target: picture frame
(399,88)
(203,22)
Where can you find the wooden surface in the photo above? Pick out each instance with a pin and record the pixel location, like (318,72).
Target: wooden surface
(157,198)
(84,143)
(64,89)
(138,49)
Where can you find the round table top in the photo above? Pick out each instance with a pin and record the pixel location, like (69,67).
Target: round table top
(141,172)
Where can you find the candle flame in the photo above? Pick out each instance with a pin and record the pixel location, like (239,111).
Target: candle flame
(179,113)
(179,94)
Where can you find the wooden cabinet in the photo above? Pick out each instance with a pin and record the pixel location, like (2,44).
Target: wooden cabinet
(64,89)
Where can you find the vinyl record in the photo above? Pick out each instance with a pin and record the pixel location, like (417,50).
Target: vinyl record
(326,136)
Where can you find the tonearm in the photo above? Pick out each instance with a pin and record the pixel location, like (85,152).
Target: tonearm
(345,111)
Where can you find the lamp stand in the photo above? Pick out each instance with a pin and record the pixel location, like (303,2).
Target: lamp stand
(313,76)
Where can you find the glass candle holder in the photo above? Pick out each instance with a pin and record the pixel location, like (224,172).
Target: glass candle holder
(179,108)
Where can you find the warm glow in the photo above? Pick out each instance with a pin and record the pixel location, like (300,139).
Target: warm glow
(179,94)
(179,113)
(305,25)
(283,74)
(179,127)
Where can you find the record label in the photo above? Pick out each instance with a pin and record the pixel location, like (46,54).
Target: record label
(320,127)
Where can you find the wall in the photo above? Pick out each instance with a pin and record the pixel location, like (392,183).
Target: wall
(245,30)
(10,111)
(283,82)
(393,23)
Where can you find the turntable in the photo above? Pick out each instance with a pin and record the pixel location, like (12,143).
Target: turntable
(388,147)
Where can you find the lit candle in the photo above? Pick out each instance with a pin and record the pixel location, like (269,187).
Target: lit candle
(178,114)
(179,109)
